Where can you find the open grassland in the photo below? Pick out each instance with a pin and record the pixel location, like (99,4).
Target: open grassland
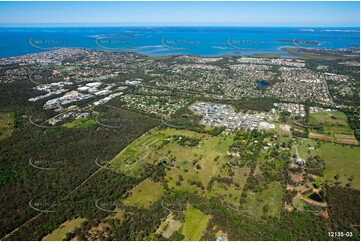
(197,164)
(188,168)
(60,233)
(231,193)
(266,203)
(80,123)
(282,129)
(129,159)
(343,161)
(144,194)
(156,146)
(6,125)
(334,117)
(195,224)
(334,127)
(306,148)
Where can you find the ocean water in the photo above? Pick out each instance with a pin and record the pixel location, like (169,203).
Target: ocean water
(161,41)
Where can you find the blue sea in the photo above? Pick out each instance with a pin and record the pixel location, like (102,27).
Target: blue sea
(162,41)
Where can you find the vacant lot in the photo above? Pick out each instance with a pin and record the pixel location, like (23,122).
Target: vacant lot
(196,164)
(334,127)
(343,161)
(195,223)
(60,233)
(145,194)
(188,168)
(328,118)
(134,155)
(306,148)
(170,226)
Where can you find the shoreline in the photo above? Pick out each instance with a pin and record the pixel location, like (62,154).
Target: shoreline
(290,52)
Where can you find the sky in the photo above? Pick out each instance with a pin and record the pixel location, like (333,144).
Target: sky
(313,14)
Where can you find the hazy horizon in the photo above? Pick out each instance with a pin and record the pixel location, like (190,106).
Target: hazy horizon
(233,14)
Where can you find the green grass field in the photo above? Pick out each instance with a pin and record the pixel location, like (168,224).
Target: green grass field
(299,204)
(134,155)
(343,161)
(334,124)
(150,148)
(270,198)
(281,129)
(195,223)
(334,117)
(231,194)
(304,147)
(145,194)
(6,125)
(60,233)
(205,155)
(80,123)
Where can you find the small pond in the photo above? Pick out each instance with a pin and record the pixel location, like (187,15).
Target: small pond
(316,197)
(262,84)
